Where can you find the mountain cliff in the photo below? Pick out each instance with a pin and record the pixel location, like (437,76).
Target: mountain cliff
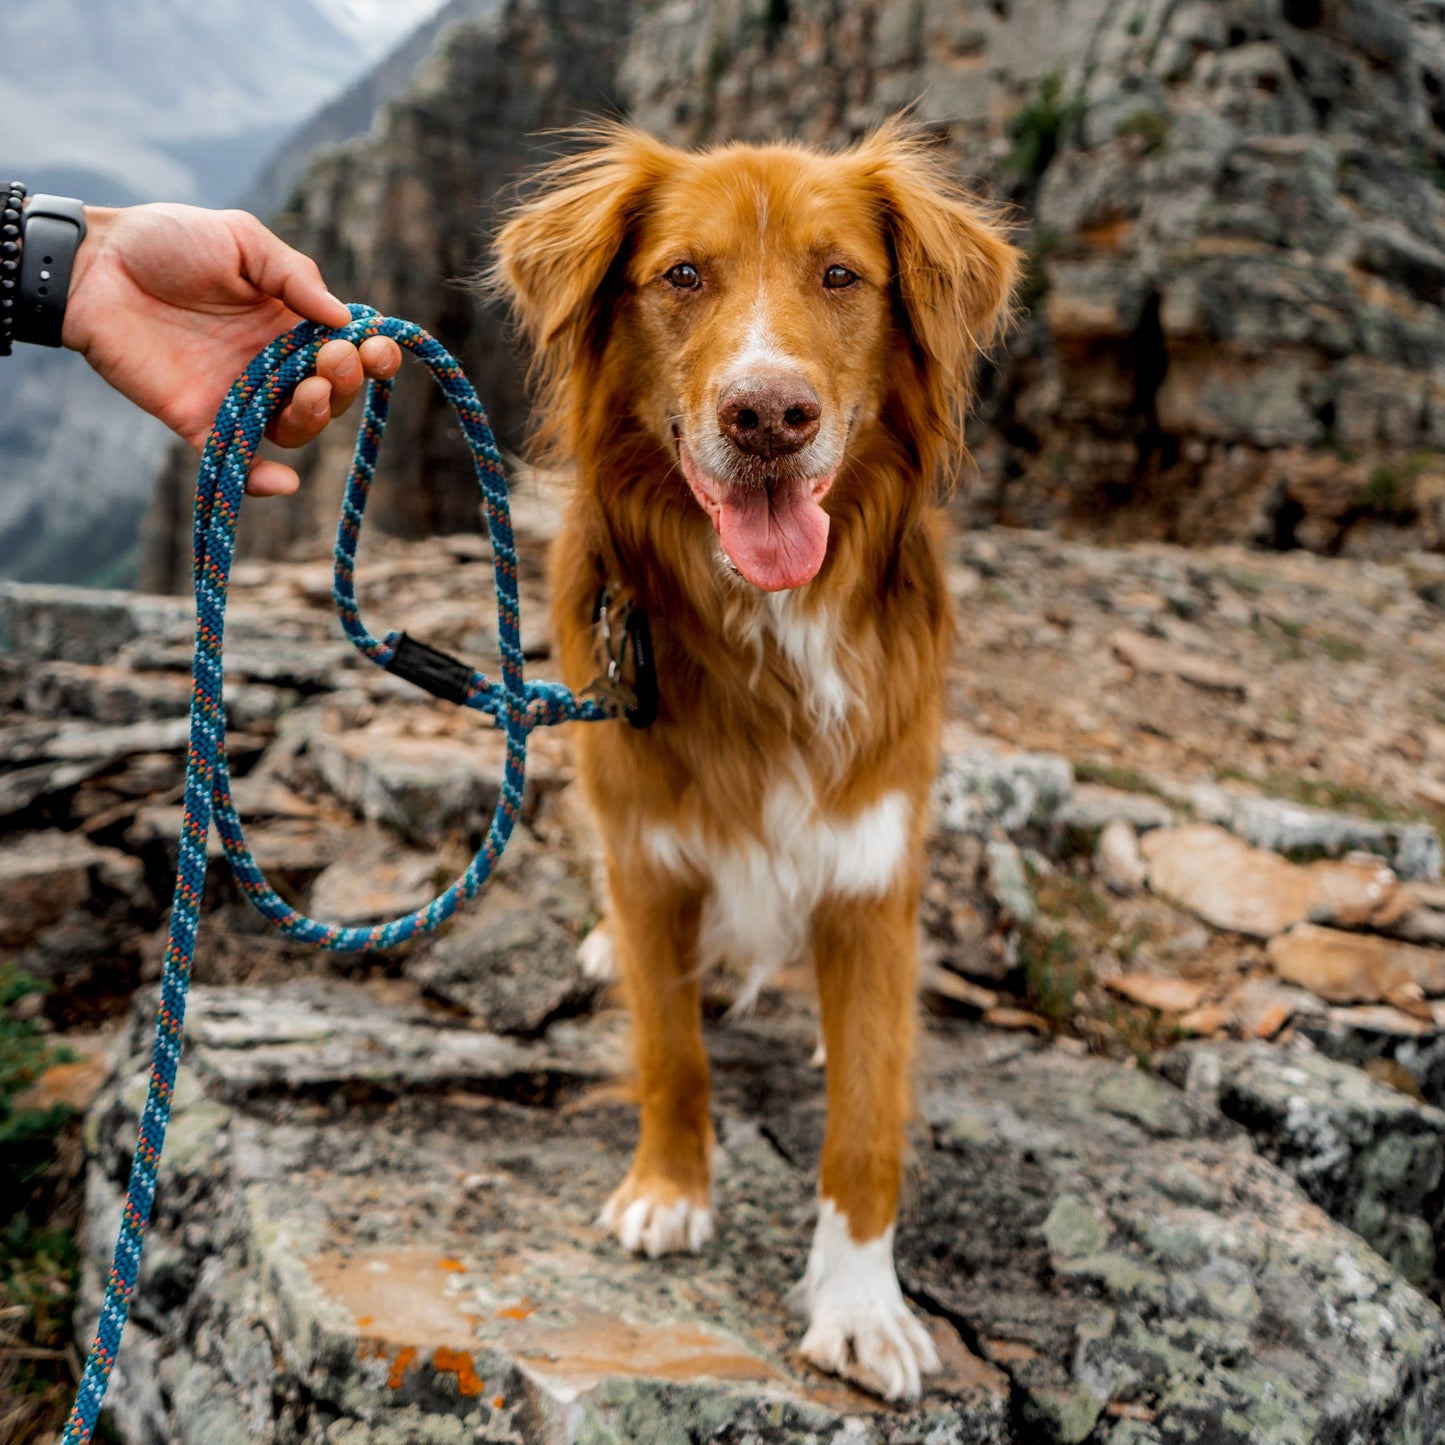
(1233,326)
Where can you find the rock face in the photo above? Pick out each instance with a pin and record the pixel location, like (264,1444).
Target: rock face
(375,1225)
(1234,210)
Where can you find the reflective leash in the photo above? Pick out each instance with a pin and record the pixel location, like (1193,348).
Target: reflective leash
(517,706)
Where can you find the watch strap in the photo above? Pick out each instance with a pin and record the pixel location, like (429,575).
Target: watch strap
(54,227)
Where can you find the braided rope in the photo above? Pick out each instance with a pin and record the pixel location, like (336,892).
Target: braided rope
(517,706)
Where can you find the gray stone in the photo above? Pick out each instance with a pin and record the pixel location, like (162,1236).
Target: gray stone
(1117,859)
(979,788)
(513,968)
(43,876)
(81,624)
(1008,883)
(1091,808)
(1413,849)
(1368,1154)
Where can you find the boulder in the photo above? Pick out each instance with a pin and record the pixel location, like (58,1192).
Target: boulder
(373,1226)
(1369,1155)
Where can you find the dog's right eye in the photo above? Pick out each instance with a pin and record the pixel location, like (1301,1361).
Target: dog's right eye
(684,277)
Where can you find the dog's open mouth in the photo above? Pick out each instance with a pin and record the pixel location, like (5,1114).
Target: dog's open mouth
(773,529)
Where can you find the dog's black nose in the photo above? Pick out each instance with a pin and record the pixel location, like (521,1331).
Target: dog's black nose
(769,416)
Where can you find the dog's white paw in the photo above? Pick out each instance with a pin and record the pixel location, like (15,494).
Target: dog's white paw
(656,1222)
(859,1325)
(596,955)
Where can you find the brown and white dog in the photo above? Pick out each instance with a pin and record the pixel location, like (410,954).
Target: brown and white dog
(755,359)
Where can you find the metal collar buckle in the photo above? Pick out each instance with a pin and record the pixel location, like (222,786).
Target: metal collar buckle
(627,684)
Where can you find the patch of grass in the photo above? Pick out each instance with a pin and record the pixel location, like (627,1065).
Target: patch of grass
(1427,166)
(1038,128)
(1140,1031)
(1108,775)
(1341,649)
(1283,635)
(1250,583)
(1323,793)
(39,1261)
(1053,974)
(1151,126)
(1066,895)
(1387,493)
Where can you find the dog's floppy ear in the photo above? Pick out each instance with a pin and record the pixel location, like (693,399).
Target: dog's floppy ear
(955,270)
(560,254)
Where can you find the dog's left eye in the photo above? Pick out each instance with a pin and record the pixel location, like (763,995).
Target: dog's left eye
(835,278)
(684,277)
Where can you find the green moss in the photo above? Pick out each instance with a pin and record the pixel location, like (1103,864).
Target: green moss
(1151,126)
(1107,775)
(1038,128)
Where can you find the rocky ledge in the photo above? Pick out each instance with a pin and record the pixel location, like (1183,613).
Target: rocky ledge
(1179,1160)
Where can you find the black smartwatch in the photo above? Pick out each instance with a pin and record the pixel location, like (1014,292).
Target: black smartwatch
(53,228)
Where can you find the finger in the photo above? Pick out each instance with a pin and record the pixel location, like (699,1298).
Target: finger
(338,364)
(381,357)
(304,417)
(271,479)
(277,269)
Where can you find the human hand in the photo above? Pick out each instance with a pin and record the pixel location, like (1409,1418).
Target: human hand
(170,303)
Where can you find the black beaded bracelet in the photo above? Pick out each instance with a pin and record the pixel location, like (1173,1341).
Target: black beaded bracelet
(12,210)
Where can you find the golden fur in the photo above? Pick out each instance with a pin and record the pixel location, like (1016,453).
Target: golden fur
(628,364)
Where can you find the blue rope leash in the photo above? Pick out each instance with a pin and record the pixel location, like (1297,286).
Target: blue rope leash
(517,706)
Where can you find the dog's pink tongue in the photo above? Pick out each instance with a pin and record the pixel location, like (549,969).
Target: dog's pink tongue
(776,538)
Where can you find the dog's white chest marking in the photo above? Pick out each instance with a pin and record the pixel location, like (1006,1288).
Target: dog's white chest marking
(809,642)
(763,890)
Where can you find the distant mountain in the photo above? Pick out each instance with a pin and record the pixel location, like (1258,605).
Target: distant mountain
(352,112)
(150,100)
(162,99)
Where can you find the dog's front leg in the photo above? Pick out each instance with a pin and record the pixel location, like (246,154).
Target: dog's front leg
(859,1325)
(665,1203)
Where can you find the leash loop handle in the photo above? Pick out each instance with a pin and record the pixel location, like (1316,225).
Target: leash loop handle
(516,704)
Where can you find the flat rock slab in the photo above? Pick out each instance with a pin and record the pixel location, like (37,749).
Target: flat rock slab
(1232,885)
(1099,1255)
(1354,967)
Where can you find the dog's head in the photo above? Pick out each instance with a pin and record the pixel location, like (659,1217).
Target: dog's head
(756,313)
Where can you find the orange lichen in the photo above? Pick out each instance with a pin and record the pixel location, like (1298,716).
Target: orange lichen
(399,1367)
(457,1363)
(498,1401)
(364,1321)
(519,1311)
(453,1266)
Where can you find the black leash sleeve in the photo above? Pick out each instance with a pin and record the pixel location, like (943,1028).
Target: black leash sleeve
(441,674)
